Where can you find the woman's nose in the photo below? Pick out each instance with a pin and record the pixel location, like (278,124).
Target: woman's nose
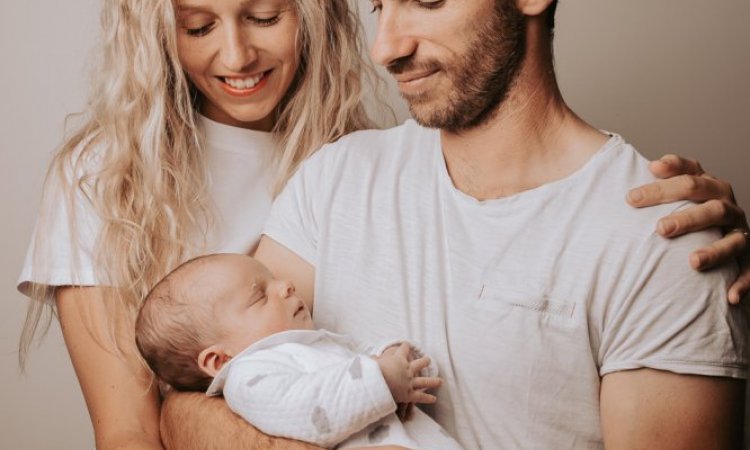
(237,51)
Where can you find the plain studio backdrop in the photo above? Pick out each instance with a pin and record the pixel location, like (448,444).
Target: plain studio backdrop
(670,76)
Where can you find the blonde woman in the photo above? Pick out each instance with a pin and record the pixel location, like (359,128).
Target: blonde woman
(200,111)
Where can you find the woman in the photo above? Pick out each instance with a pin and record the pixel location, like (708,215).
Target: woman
(202,110)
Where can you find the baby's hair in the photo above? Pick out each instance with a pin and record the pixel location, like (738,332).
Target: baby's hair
(172,329)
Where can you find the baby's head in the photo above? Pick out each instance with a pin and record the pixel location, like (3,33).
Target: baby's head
(209,309)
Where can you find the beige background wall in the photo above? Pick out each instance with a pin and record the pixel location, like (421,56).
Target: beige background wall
(672,75)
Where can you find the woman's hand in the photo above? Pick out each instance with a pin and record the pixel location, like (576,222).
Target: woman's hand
(685,179)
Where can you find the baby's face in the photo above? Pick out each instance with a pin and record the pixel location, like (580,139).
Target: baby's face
(251,304)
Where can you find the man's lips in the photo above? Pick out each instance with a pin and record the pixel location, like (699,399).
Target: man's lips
(410,77)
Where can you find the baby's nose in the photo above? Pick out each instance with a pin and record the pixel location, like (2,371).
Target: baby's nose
(286,289)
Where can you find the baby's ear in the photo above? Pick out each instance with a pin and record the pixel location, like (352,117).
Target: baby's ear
(212,359)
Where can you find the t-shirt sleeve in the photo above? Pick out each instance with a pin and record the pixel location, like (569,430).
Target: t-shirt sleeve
(294,220)
(666,316)
(62,244)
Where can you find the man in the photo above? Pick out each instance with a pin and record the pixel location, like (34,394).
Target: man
(557,319)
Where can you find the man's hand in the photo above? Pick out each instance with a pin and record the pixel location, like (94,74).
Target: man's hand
(685,179)
(402,376)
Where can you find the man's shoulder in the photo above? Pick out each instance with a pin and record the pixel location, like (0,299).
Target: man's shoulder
(367,146)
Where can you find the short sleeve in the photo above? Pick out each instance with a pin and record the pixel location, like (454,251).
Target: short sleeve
(666,316)
(62,244)
(293,221)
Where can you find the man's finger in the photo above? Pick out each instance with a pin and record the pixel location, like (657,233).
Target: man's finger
(700,217)
(682,187)
(731,246)
(672,165)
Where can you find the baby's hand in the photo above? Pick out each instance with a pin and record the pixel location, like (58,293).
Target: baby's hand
(402,376)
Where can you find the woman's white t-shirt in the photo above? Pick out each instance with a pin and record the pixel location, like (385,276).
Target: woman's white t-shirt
(239,167)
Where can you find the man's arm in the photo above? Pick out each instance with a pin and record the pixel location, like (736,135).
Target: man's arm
(685,179)
(190,420)
(645,409)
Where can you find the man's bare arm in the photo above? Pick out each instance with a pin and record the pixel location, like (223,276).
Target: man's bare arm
(655,409)
(190,420)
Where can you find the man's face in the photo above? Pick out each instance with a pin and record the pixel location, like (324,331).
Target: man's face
(454,61)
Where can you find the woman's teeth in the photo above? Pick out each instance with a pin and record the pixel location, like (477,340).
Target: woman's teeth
(244,83)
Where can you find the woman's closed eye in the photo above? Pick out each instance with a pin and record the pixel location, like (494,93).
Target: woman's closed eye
(198,31)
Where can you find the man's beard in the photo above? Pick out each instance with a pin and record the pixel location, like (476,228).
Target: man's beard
(480,79)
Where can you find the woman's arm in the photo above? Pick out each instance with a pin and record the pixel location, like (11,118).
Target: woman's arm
(122,400)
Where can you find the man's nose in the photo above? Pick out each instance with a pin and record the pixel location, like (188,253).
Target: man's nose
(237,51)
(393,40)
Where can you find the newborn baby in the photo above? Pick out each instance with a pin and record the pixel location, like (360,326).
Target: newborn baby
(222,324)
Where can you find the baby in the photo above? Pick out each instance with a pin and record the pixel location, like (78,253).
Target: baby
(222,324)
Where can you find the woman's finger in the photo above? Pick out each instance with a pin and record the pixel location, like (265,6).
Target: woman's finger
(741,285)
(672,165)
(682,187)
(732,246)
(701,216)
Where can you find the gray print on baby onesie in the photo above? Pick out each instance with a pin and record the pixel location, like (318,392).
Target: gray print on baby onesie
(254,380)
(320,420)
(378,434)
(355,369)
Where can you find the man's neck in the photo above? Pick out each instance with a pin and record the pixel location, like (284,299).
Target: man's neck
(532,140)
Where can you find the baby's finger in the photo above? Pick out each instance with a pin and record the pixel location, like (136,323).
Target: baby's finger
(418,364)
(426,382)
(403,350)
(422,397)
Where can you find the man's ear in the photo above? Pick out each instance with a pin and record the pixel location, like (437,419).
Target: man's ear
(212,359)
(533,7)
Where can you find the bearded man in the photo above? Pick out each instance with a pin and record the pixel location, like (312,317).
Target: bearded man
(492,231)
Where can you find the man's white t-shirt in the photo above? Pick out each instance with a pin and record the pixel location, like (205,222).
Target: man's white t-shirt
(239,167)
(524,302)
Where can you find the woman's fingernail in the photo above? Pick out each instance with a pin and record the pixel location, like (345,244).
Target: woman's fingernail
(667,227)
(697,260)
(635,196)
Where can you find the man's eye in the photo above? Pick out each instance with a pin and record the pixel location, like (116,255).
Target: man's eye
(199,31)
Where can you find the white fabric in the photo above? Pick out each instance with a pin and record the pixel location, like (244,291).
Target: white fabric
(524,302)
(239,167)
(320,387)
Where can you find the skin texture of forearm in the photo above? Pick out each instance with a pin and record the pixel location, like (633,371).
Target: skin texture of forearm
(122,400)
(192,421)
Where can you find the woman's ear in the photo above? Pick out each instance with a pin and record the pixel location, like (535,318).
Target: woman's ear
(533,7)
(212,359)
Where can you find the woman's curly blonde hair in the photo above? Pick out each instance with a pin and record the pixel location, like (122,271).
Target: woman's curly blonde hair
(138,158)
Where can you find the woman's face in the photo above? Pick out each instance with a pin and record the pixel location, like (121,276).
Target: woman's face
(241,55)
